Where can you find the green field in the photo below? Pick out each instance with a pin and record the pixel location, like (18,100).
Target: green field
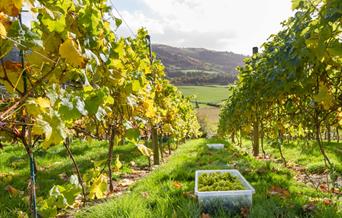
(210,94)
(208,116)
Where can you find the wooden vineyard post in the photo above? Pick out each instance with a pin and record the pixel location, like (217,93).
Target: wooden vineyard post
(256,123)
(154,133)
(155,148)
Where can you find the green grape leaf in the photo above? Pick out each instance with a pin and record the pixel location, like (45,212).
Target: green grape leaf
(53,128)
(94,99)
(118,22)
(296,4)
(54,24)
(324,97)
(46,210)
(71,192)
(132,135)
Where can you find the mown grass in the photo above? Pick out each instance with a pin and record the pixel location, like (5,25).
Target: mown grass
(168,191)
(53,165)
(305,153)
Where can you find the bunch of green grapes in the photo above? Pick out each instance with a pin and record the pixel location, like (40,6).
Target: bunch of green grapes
(218,182)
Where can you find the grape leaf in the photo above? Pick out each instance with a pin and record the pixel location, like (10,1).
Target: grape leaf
(118,164)
(11,7)
(132,135)
(144,150)
(70,52)
(3,32)
(53,128)
(296,4)
(136,85)
(54,24)
(324,97)
(118,22)
(98,188)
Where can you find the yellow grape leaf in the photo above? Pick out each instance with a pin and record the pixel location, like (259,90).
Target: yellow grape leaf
(34,58)
(339,117)
(11,7)
(118,164)
(54,130)
(144,150)
(70,52)
(324,97)
(18,3)
(37,129)
(149,108)
(3,32)
(37,106)
(167,128)
(14,75)
(98,188)
(43,102)
(22,214)
(247,128)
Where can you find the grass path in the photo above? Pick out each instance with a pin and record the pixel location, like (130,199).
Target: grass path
(168,191)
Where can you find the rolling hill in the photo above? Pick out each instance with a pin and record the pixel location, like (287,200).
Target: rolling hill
(198,66)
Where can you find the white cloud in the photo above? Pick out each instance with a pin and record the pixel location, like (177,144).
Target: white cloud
(232,25)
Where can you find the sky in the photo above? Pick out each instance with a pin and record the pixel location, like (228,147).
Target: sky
(222,25)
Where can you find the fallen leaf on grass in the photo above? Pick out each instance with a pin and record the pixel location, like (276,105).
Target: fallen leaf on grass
(77,204)
(177,185)
(336,191)
(327,201)
(324,187)
(189,195)
(205,215)
(125,182)
(276,190)
(12,191)
(132,163)
(144,194)
(309,207)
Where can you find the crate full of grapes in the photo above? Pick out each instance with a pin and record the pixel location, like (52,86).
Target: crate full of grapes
(222,189)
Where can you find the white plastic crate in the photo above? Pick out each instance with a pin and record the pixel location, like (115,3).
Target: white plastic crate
(215,146)
(232,201)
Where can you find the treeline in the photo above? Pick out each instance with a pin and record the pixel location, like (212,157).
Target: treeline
(200,78)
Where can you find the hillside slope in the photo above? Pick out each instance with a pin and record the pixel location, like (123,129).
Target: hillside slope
(198,66)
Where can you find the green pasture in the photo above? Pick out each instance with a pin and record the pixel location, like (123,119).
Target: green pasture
(210,94)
